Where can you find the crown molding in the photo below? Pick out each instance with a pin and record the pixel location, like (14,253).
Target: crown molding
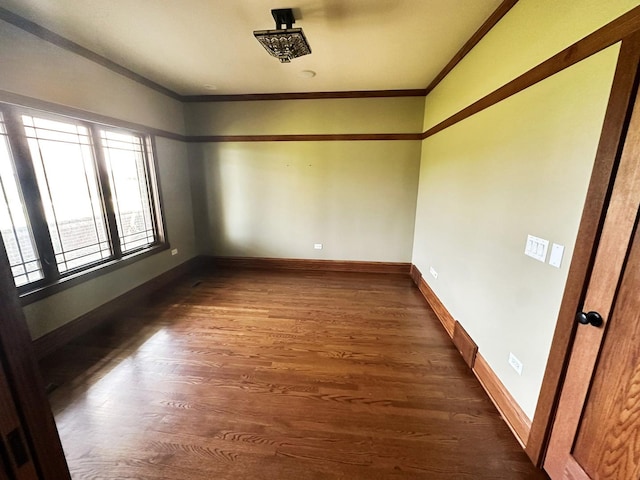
(493,19)
(615,31)
(73,47)
(62,42)
(418,92)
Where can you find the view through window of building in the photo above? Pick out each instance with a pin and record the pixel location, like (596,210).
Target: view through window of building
(124,155)
(16,231)
(91,198)
(66,172)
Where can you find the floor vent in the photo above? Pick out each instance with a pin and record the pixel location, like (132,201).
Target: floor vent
(463,342)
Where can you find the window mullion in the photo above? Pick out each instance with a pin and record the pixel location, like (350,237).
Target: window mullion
(105,188)
(153,178)
(31,193)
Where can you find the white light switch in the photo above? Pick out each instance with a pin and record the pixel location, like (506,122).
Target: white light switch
(536,248)
(555,257)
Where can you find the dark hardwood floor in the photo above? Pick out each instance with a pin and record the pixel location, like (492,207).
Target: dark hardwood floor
(278,375)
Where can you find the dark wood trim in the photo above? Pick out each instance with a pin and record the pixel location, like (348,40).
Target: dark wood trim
(28,102)
(465,344)
(53,340)
(448,322)
(27,179)
(23,376)
(107,194)
(416,275)
(616,123)
(493,19)
(419,92)
(10,424)
(345,137)
(511,412)
(71,46)
(602,38)
(155,187)
(62,42)
(53,282)
(76,113)
(308,264)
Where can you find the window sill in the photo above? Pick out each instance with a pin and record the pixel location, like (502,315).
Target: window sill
(75,279)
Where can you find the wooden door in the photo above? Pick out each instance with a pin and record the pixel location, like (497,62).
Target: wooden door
(596,433)
(15,457)
(29,444)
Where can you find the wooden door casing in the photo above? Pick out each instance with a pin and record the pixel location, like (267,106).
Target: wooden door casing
(10,425)
(604,282)
(24,384)
(612,138)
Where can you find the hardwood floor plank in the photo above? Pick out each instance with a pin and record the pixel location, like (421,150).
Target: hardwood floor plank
(278,375)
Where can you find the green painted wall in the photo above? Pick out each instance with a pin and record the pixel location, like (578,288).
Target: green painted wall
(519,167)
(277,199)
(530,33)
(289,117)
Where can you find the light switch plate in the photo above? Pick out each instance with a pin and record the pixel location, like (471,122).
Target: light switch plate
(555,257)
(536,248)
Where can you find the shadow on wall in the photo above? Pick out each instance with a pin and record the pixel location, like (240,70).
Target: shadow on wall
(279,199)
(257,203)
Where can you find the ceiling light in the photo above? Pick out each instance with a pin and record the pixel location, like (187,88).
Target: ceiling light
(283,43)
(307,74)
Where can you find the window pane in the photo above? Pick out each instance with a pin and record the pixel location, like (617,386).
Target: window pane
(16,231)
(128,174)
(66,173)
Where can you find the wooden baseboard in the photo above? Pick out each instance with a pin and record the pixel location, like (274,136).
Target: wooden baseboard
(309,264)
(416,275)
(513,415)
(439,309)
(55,339)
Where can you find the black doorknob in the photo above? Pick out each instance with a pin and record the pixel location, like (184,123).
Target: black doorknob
(592,318)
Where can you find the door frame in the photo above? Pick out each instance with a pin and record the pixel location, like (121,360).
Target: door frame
(25,382)
(616,123)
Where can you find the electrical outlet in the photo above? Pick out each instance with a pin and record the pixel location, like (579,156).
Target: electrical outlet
(515,363)
(433,272)
(174,251)
(317,246)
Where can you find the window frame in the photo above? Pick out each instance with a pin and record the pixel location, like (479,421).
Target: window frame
(53,281)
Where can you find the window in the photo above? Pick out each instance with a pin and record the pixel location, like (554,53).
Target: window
(16,231)
(74,196)
(124,154)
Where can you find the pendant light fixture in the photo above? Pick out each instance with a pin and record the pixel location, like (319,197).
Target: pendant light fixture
(283,43)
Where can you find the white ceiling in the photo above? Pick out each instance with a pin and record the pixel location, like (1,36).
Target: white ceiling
(186,45)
